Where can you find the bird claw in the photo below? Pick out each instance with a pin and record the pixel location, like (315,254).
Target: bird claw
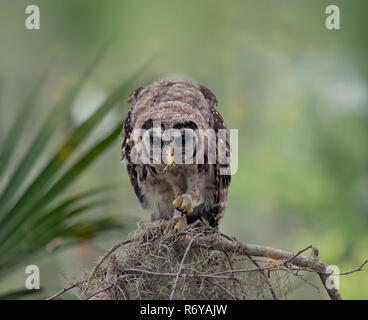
(176,224)
(181,224)
(183,204)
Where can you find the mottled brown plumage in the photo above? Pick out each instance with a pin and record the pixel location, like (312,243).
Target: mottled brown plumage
(201,187)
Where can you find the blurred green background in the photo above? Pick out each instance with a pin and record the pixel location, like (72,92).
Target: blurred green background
(296,91)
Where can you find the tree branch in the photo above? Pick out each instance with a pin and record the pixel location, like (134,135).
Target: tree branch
(215,243)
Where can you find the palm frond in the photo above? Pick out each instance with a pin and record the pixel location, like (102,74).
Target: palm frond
(33,214)
(19,124)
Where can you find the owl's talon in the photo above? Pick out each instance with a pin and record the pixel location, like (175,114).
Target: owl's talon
(183,204)
(175,224)
(169,226)
(181,224)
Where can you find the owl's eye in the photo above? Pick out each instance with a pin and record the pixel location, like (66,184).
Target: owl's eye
(186,125)
(147,125)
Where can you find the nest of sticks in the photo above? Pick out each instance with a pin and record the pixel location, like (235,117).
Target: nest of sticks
(154,265)
(198,263)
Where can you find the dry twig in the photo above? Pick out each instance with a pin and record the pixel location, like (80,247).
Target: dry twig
(73,285)
(182,264)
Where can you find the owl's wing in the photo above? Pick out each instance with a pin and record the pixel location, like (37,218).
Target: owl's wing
(222,178)
(131,167)
(221,170)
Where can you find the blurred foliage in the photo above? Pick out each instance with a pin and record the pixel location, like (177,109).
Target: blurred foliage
(34,216)
(296,91)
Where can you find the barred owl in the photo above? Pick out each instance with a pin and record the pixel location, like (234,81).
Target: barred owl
(174,188)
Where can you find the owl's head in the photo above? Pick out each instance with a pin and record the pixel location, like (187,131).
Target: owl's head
(168,118)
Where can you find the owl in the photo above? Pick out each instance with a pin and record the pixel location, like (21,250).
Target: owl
(169,122)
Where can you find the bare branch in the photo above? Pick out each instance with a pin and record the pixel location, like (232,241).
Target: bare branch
(73,285)
(100,291)
(356,270)
(222,288)
(297,254)
(360,268)
(214,243)
(182,264)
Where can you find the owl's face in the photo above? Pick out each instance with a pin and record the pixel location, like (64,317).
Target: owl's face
(168,134)
(170,142)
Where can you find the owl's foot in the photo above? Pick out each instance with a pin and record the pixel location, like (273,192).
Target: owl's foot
(183,204)
(176,224)
(181,224)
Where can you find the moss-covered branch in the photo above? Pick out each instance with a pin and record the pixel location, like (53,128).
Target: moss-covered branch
(198,263)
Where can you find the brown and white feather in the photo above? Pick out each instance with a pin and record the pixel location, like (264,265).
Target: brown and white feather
(171,102)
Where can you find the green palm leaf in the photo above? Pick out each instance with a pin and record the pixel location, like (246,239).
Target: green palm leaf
(32,214)
(44,135)
(11,236)
(19,124)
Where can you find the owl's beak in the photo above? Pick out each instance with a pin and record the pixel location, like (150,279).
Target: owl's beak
(170,157)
